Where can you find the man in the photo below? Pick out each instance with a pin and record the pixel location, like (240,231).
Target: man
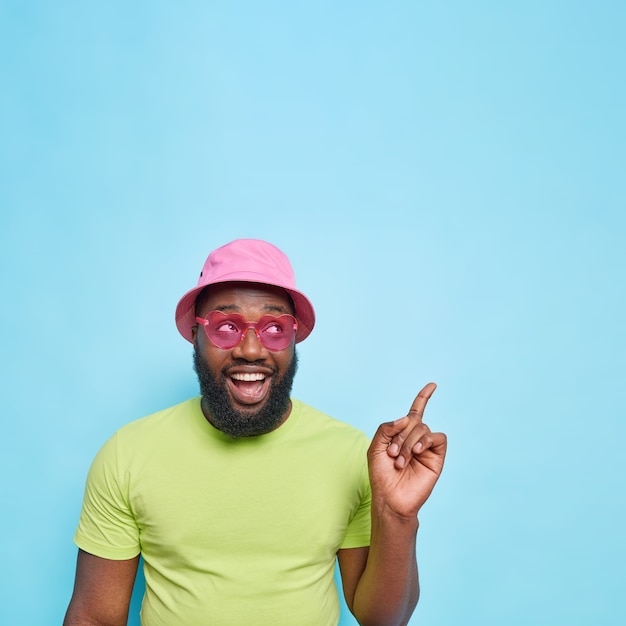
(240,500)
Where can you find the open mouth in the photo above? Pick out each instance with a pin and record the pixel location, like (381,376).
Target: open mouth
(248,387)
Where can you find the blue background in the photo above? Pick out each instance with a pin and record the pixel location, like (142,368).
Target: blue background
(448,180)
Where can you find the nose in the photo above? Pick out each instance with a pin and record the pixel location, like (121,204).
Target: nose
(250,348)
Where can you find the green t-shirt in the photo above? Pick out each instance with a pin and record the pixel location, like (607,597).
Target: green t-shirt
(232,532)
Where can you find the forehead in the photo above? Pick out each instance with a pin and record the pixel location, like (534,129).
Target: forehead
(245,298)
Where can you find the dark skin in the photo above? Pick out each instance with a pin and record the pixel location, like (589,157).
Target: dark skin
(102,591)
(405,459)
(249,356)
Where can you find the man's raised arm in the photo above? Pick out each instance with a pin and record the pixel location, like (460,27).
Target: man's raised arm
(405,460)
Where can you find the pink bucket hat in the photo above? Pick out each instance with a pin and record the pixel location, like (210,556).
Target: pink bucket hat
(249,261)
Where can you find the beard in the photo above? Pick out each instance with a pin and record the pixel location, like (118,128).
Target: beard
(233,422)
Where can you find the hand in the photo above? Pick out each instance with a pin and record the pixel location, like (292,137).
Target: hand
(405,460)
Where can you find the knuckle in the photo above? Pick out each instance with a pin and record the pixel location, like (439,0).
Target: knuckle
(400,438)
(407,447)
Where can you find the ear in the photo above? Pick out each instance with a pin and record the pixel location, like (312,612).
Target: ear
(194,335)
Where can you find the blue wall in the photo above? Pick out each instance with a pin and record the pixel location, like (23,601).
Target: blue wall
(448,179)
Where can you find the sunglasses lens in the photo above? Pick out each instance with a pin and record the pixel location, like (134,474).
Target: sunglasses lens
(225,334)
(276,332)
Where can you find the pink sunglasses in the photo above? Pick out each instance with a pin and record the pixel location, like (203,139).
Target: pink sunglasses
(225,331)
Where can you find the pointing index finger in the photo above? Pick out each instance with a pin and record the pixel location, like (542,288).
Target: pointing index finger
(419,404)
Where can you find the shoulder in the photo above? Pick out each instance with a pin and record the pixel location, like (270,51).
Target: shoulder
(144,440)
(157,427)
(171,416)
(312,421)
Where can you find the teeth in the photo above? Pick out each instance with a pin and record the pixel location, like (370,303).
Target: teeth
(248,377)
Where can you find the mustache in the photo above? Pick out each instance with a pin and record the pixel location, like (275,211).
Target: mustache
(242,362)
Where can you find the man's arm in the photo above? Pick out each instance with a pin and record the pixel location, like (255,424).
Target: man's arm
(380,583)
(405,460)
(102,591)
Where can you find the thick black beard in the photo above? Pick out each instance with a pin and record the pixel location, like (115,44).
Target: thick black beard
(237,424)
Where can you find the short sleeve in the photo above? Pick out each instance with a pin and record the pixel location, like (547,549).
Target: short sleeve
(107,526)
(358,533)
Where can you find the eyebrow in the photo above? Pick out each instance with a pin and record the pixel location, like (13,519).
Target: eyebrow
(268,308)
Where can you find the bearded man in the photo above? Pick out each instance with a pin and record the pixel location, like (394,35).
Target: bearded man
(242,500)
